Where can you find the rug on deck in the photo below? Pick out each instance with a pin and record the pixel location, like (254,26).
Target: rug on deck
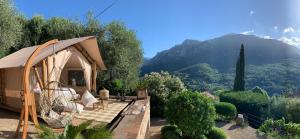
(101,115)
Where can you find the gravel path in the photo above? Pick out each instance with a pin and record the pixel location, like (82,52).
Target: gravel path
(236,132)
(155,125)
(232,131)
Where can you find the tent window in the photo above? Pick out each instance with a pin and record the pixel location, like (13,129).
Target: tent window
(76,78)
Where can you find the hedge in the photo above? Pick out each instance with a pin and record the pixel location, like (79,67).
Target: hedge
(217,133)
(170,132)
(225,111)
(192,112)
(248,102)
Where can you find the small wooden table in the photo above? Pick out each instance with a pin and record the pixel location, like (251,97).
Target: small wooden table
(102,102)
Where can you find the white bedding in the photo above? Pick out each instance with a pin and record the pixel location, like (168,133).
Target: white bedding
(67,93)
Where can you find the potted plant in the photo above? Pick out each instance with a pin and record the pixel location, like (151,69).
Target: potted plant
(141,90)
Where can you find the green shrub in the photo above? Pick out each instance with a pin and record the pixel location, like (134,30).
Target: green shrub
(284,107)
(257,89)
(171,132)
(248,102)
(280,129)
(161,86)
(192,112)
(225,111)
(217,133)
(278,107)
(293,110)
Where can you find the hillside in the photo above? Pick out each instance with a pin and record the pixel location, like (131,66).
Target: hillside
(275,78)
(221,53)
(210,65)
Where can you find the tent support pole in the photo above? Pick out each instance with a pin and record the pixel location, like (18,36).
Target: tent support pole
(28,96)
(94,76)
(44,68)
(37,75)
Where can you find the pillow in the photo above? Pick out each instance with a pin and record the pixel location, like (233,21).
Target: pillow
(53,115)
(88,99)
(73,107)
(67,93)
(73,92)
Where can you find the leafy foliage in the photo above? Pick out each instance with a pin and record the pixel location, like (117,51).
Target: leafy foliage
(284,107)
(121,50)
(225,111)
(217,133)
(77,132)
(280,129)
(201,77)
(239,80)
(257,89)
(10,27)
(170,132)
(192,112)
(248,102)
(122,54)
(161,86)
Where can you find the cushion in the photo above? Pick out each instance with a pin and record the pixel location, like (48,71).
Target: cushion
(73,107)
(88,99)
(67,93)
(53,115)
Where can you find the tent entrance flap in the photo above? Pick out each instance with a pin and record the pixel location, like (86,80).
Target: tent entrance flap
(71,59)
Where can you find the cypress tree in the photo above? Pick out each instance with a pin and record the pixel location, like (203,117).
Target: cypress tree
(239,81)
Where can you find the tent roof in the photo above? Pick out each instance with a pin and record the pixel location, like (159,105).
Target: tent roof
(20,57)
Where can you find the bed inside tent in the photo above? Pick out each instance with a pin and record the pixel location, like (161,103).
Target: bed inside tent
(65,70)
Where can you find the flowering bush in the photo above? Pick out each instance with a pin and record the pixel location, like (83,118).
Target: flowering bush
(161,86)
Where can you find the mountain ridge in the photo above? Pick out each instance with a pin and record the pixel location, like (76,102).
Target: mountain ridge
(221,53)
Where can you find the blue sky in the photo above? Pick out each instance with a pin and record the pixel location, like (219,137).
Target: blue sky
(161,24)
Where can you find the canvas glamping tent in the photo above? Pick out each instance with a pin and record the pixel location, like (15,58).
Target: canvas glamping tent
(56,64)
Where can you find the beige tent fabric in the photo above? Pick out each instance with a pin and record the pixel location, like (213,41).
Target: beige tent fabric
(86,67)
(61,58)
(20,57)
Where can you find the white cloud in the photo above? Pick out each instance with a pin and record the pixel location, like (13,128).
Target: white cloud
(247,32)
(288,30)
(275,28)
(267,37)
(295,41)
(252,13)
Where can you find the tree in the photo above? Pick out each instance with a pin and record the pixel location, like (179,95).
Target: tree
(239,81)
(120,48)
(10,27)
(61,28)
(161,86)
(123,55)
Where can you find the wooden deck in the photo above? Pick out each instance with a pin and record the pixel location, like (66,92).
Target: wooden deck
(9,118)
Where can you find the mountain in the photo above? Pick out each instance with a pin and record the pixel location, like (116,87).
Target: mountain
(221,53)
(146,60)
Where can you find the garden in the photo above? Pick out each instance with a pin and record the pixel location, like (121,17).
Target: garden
(193,114)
